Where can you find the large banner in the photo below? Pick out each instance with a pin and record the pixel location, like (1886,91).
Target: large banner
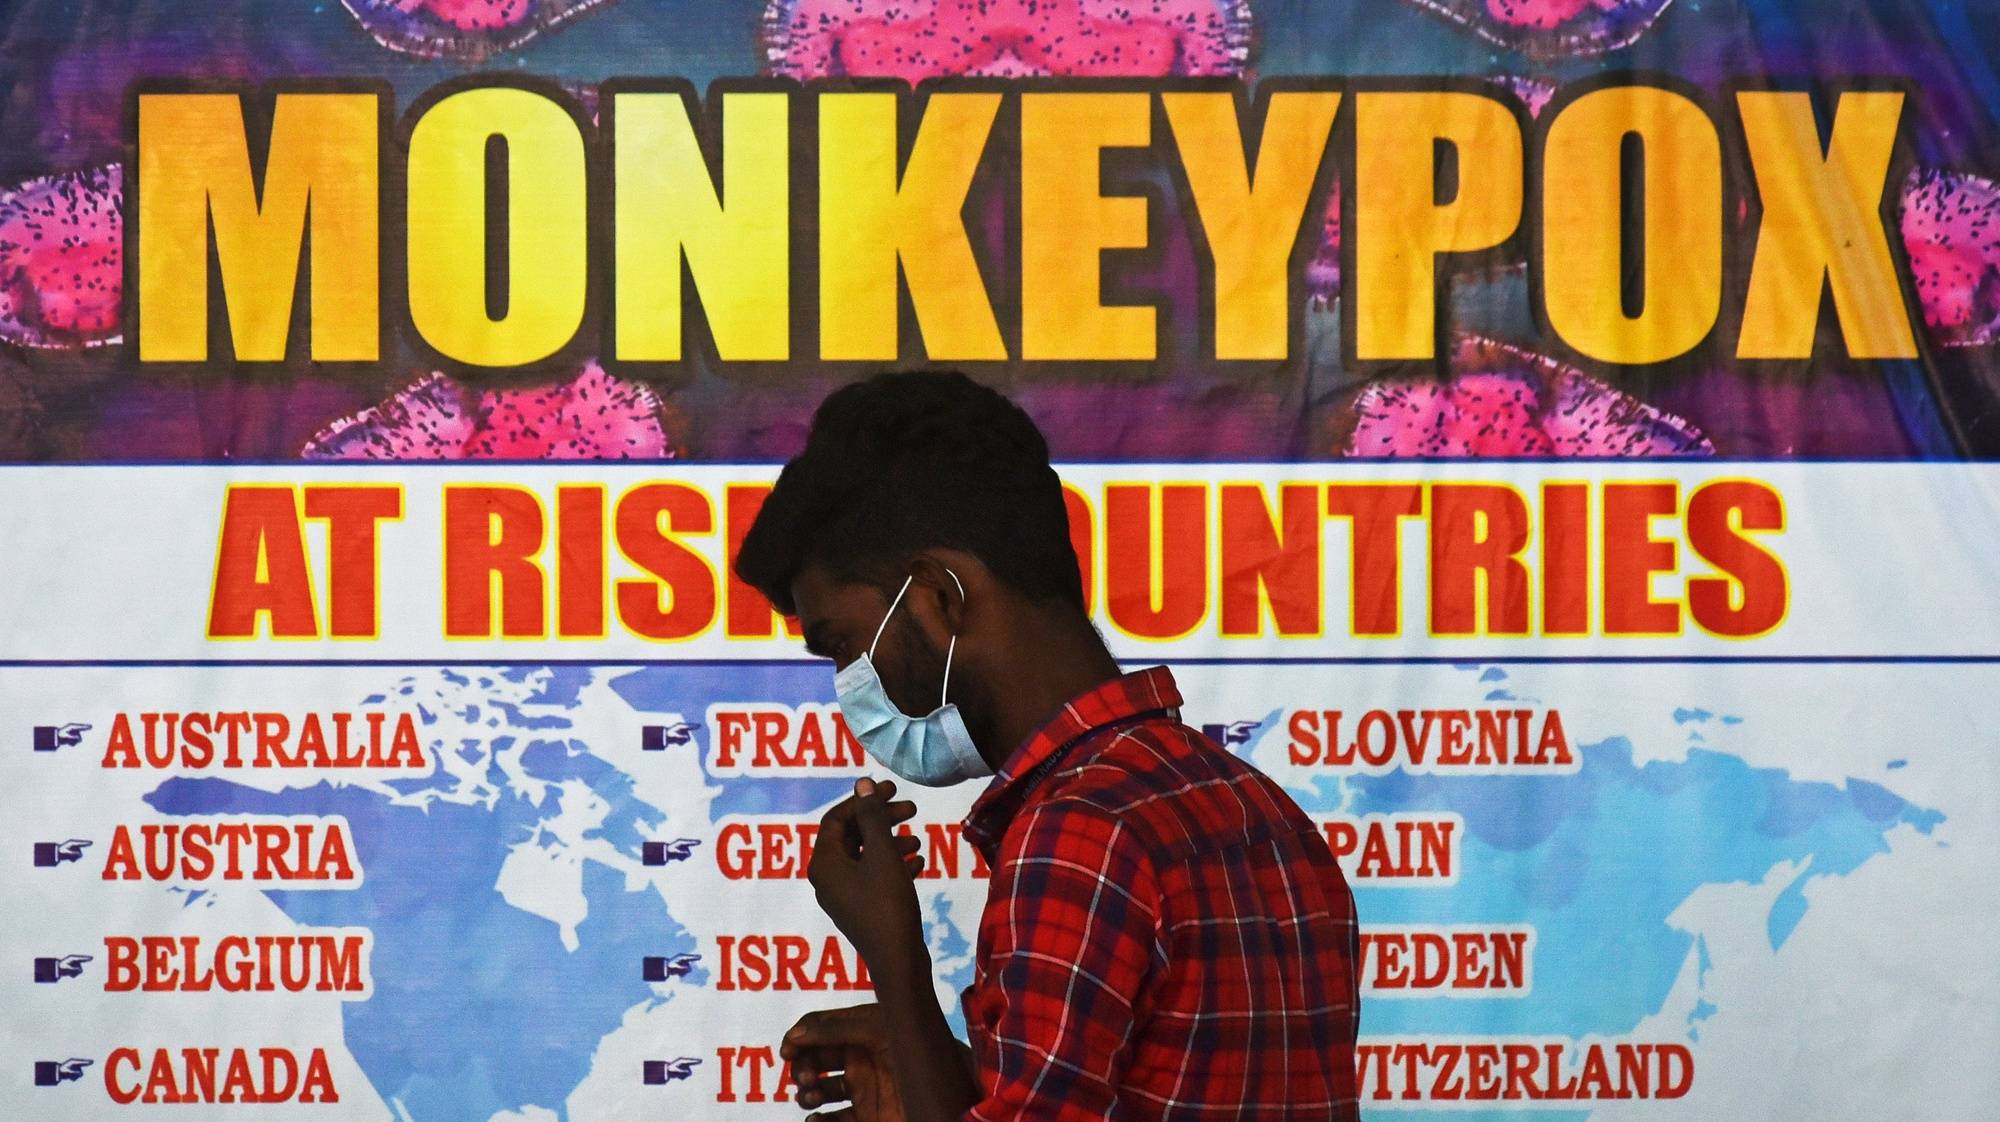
(1552,439)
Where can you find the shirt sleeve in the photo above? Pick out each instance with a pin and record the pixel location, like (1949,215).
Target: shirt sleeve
(1069,934)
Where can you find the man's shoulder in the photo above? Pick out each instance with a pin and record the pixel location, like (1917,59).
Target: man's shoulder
(1173,789)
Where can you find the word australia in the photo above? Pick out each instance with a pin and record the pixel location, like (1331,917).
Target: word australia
(501,223)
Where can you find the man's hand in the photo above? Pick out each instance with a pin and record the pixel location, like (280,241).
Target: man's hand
(853,1042)
(864,875)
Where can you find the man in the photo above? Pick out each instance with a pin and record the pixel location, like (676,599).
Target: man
(1166,935)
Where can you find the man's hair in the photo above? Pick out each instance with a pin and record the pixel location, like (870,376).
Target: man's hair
(907,461)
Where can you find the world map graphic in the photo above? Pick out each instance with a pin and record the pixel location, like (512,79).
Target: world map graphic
(490,1001)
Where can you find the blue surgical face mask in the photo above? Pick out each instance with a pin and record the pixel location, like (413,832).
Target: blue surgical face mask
(933,750)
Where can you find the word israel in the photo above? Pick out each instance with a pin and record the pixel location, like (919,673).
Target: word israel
(194,741)
(518,228)
(762,962)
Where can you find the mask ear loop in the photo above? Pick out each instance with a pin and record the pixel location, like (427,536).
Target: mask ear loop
(892,611)
(944,691)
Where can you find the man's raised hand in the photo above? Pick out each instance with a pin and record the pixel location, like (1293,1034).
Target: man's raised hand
(840,1056)
(863,875)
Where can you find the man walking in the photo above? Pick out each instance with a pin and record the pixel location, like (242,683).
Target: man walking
(1166,934)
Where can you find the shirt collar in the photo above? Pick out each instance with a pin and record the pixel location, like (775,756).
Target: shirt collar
(1112,700)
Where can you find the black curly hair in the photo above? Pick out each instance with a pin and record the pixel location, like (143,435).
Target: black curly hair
(911,460)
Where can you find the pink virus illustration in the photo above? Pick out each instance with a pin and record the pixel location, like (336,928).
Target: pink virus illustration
(1501,400)
(1550,29)
(1951,229)
(62,260)
(918,39)
(462,30)
(1535,93)
(592,416)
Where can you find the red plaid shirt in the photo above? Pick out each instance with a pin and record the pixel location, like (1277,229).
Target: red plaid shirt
(1166,934)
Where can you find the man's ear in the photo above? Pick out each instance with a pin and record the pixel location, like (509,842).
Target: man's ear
(945,579)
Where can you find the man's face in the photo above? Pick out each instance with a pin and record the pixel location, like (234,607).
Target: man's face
(839,619)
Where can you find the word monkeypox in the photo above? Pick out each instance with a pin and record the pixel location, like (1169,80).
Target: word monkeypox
(502,223)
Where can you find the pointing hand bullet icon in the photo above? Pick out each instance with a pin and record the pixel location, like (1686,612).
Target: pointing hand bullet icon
(659,853)
(666,1071)
(50,854)
(49,970)
(658,738)
(659,968)
(48,1073)
(48,738)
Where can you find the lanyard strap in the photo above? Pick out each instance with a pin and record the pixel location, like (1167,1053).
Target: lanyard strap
(1035,775)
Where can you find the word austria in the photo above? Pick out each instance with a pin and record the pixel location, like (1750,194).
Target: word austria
(296,852)
(504,224)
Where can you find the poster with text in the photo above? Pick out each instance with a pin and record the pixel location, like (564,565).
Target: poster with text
(1557,441)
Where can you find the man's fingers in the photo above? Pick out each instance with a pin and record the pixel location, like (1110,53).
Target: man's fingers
(809,1065)
(814,1030)
(809,1037)
(873,815)
(838,827)
(908,843)
(900,810)
(865,786)
(849,823)
(828,1089)
(809,1061)
(832,1028)
(877,830)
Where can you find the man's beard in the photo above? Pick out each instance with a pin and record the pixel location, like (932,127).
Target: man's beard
(917,669)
